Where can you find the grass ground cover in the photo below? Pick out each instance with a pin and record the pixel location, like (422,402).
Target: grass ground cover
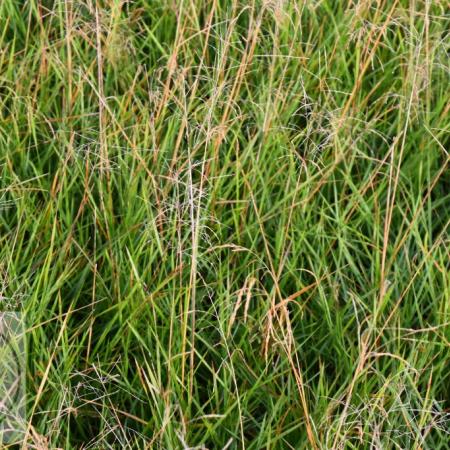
(226,221)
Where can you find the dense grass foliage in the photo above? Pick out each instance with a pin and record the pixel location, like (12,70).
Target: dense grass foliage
(226,221)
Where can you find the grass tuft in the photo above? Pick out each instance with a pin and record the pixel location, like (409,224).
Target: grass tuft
(227,221)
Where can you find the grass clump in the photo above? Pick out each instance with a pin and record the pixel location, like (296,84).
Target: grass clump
(227,222)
